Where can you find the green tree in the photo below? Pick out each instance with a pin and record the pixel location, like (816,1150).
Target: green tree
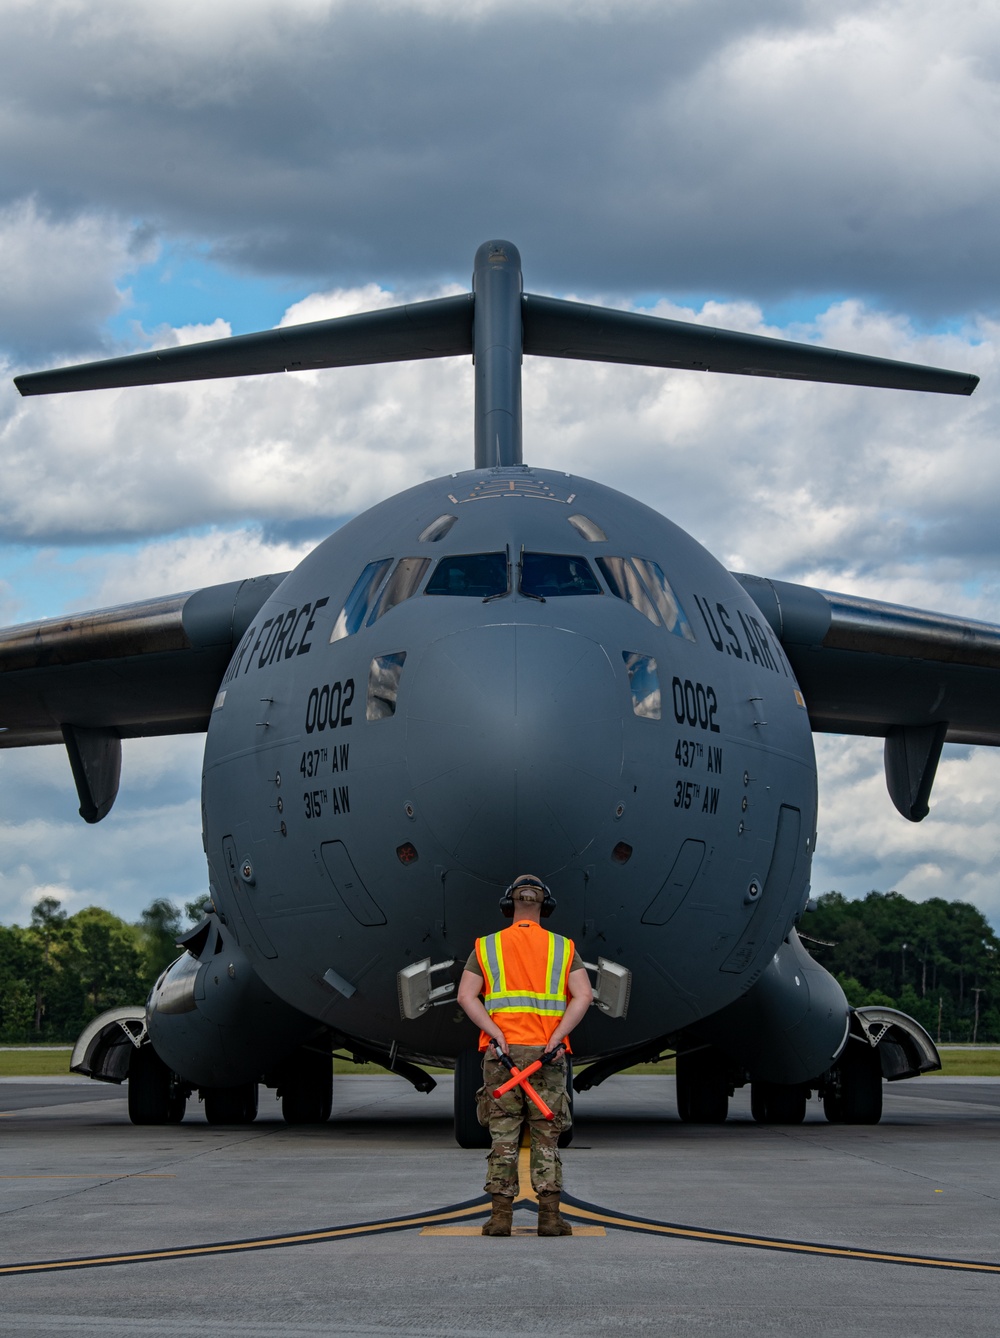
(48,927)
(160,927)
(20,971)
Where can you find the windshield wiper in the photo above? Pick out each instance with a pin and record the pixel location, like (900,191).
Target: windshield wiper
(520,579)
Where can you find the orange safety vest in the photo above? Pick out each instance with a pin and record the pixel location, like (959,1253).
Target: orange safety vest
(525,971)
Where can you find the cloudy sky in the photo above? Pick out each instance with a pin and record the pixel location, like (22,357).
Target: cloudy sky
(173,171)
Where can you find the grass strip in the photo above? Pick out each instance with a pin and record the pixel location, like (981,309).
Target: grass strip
(983,1062)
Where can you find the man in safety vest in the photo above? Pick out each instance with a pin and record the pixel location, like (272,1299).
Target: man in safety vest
(535,990)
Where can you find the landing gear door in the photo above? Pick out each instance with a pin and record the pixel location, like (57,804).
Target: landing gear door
(240,872)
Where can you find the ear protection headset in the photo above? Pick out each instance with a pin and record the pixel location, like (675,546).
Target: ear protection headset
(527,880)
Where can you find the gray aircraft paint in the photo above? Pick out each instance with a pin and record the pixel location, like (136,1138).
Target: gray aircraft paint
(366,797)
(514,744)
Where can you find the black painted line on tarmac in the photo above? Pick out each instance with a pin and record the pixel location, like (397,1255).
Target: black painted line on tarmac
(572,1207)
(440,1217)
(590,1212)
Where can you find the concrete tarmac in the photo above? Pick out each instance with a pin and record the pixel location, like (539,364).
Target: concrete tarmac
(76,1179)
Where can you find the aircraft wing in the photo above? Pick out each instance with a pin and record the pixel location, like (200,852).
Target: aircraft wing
(89,680)
(139,669)
(915,678)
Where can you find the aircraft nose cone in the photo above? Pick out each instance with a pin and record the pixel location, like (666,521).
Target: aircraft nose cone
(514,746)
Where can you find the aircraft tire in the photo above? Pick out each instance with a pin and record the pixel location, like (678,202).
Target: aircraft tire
(231,1105)
(566,1137)
(702,1088)
(153,1097)
(307,1091)
(469,1133)
(778,1103)
(856,1097)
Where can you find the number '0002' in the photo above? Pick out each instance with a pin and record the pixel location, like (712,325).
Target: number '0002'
(695,705)
(329,705)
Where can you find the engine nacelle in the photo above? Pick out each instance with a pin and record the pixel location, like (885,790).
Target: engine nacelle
(791,1026)
(212,1019)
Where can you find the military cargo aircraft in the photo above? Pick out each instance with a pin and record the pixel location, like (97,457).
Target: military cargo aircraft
(505,670)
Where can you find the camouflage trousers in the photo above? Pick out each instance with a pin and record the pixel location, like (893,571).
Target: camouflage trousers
(506,1116)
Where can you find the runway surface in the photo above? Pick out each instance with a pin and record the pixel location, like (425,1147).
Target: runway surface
(363,1226)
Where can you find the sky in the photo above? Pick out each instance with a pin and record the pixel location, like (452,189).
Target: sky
(820,171)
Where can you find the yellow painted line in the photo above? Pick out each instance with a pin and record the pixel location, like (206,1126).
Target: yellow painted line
(771,1243)
(515,1231)
(242,1246)
(594,1220)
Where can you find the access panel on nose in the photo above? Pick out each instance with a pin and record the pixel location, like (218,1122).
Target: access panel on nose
(514,745)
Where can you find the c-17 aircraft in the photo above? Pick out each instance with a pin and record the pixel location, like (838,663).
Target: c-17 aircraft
(506,670)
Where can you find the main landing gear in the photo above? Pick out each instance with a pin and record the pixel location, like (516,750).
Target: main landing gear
(155,1095)
(469,1133)
(703,1087)
(158,1096)
(778,1103)
(853,1092)
(306,1089)
(231,1105)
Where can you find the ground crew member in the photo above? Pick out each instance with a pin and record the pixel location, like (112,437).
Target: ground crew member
(535,990)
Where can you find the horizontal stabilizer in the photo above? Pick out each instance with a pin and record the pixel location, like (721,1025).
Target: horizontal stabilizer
(443,328)
(558,329)
(438,329)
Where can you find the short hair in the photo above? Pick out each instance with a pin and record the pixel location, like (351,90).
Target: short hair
(527,888)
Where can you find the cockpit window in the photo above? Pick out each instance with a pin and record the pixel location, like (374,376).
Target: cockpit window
(552,575)
(668,606)
(588,529)
(473,575)
(623,581)
(644,683)
(401,585)
(361,599)
(436,530)
(641,583)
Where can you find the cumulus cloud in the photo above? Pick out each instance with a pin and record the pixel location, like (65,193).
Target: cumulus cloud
(868,491)
(150,848)
(764,153)
(770,149)
(60,277)
(826,483)
(863,843)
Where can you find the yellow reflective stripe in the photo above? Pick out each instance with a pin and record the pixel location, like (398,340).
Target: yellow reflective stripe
(499,998)
(492,962)
(557,962)
(520,1003)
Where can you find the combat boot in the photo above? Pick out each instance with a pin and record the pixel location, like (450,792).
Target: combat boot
(502,1218)
(549,1221)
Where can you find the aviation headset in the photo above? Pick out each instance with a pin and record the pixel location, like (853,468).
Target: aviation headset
(527,880)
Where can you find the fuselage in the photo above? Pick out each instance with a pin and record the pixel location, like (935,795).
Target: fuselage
(505,671)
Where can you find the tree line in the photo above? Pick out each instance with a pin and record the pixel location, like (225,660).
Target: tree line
(61,970)
(937,960)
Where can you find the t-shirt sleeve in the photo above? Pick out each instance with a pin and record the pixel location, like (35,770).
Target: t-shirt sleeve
(576,965)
